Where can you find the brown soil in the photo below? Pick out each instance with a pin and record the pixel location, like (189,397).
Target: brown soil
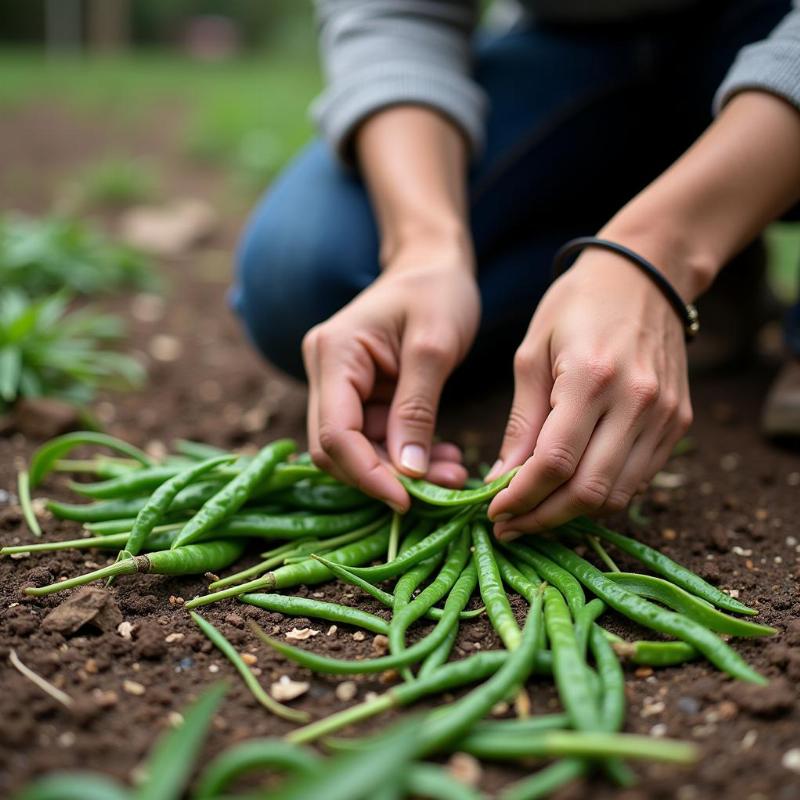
(733,520)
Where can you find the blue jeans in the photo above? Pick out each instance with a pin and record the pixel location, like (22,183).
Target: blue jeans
(581,118)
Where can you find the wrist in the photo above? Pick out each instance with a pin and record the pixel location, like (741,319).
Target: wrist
(440,244)
(683,259)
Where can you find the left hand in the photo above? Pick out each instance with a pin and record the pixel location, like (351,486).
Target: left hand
(601,397)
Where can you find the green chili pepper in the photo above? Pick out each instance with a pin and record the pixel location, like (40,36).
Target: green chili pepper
(435,495)
(650,615)
(655,654)
(494,597)
(551,572)
(546,781)
(235,494)
(569,668)
(456,600)
(420,551)
(229,651)
(307,607)
(252,755)
(666,567)
(441,729)
(321,497)
(298,525)
(308,572)
(158,505)
(688,604)
(195,560)
(433,781)
(47,455)
(405,613)
(583,744)
(583,622)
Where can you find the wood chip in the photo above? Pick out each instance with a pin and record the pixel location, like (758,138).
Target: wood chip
(133,687)
(301,634)
(286,689)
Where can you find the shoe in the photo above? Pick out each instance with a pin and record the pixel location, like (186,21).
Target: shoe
(780,418)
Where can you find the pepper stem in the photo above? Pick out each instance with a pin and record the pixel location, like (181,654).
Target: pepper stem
(264,582)
(127,567)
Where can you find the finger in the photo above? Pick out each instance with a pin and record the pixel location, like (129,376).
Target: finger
(376,415)
(533,383)
(589,488)
(634,471)
(447,473)
(562,441)
(424,367)
(346,377)
(446,451)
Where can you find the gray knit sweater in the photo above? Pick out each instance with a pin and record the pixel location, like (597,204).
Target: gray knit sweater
(377,53)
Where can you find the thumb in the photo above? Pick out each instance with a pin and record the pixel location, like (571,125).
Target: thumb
(424,367)
(529,409)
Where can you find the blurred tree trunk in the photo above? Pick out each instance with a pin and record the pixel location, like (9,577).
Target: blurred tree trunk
(109,24)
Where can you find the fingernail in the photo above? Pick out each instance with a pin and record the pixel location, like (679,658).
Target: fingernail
(414,458)
(502,517)
(398,509)
(507,536)
(494,472)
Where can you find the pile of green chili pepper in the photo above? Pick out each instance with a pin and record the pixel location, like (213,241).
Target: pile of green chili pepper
(200,509)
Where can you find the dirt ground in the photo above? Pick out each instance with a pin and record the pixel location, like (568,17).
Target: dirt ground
(731,514)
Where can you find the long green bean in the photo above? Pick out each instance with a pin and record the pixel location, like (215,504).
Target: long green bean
(231,497)
(229,651)
(435,495)
(650,615)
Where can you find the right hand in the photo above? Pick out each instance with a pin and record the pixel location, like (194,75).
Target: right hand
(376,370)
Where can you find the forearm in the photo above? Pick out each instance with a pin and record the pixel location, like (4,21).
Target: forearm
(415,162)
(738,177)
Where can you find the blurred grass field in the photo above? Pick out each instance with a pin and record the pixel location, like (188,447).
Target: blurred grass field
(248,115)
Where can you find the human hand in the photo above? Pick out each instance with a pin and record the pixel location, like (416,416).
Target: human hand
(376,371)
(601,397)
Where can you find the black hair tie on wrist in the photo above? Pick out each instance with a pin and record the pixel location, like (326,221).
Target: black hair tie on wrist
(686,312)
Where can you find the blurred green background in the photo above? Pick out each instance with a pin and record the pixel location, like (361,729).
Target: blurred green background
(238,74)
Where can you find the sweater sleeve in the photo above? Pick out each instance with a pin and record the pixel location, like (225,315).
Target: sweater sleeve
(379,53)
(771,65)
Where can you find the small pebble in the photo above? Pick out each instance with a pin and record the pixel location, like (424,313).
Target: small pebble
(653,709)
(185,663)
(380,644)
(133,687)
(659,730)
(359,636)
(124,629)
(66,739)
(749,739)
(174,719)
(371,696)
(90,666)
(688,705)
(173,637)
(346,691)
(761,514)
(670,534)
(465,769)
(213,667)
(286,689)
(165,348)
(105,699)
(249,658)
(301,634)
(332,630)
(499,709)
(643,672)
(791,760)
